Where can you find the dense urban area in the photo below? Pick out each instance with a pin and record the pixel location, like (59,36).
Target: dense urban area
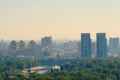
(49,59)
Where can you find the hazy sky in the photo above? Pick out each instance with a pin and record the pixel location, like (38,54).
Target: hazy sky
(61,19)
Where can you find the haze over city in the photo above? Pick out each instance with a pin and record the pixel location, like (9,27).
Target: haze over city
(61,19)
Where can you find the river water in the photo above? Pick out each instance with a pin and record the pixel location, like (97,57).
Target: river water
(42,71)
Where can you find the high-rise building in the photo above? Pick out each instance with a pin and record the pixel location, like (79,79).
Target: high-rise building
(85,45)
(101,45)
(46,45)
(33,49)
(3,47)
(21,46)
(32,44)
(113,44)
(13,46)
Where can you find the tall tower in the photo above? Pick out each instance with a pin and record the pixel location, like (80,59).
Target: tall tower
(3,47)
(101,45)
(13,47)
(46,45)
(21,46)
(113,44)
(85,45)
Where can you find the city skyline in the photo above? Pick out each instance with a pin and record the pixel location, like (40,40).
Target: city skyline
(61,19)
(84,48)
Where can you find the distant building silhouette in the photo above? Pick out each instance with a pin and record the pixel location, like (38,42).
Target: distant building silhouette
(85,45)
(46,45)
(31,44)
(93,49)
(70,48)
(113,44)
(21,46)
(3,47)
(79,49)
(13,47)
(33,49)
(101,45)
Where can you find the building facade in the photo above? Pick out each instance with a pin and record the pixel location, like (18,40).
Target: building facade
(85,45)
(113,44)
(3,48)
(101,45)
(21,46)
(13,46)
(46,45)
